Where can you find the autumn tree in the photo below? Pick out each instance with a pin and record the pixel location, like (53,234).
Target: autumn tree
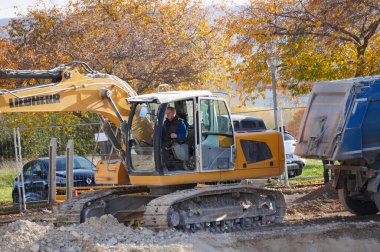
(146,43)
(315,40)
(143,42)
(293,125)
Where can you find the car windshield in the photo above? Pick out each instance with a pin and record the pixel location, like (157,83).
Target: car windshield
(288,137)
(79,163)
(144,119)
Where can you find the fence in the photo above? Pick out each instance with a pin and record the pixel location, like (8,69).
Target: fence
(289,117)
(34,143)
(35,149)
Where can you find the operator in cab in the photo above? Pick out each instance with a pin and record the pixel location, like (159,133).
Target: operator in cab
(174,130)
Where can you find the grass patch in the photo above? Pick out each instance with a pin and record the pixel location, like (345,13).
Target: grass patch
(313,168)
(306,181)
(5,195)
(6,185)
(312,173)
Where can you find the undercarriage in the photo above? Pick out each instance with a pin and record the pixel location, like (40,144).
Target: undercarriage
(221,208)
(358,189)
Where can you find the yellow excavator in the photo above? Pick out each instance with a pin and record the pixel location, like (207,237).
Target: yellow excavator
(197,188)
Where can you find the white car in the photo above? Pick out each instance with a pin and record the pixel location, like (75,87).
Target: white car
(294,163)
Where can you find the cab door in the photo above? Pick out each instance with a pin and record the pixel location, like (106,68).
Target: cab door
(217,143)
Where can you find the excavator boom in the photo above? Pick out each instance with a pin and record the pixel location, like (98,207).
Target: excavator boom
(70,90)
(75,87)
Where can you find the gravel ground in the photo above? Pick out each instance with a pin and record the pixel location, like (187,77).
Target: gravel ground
(314,222)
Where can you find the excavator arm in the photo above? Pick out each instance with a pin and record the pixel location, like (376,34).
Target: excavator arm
(70,91)
(75,87)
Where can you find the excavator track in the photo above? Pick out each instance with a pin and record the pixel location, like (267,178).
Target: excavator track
(78,209)
(216,209)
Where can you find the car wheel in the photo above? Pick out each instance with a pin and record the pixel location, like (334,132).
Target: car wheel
(291,174)
(34,196)
(299,171)
(15,197)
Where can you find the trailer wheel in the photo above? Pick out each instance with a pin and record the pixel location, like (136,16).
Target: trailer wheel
(356,206)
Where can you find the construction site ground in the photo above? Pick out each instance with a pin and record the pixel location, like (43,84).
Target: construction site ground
(315,221)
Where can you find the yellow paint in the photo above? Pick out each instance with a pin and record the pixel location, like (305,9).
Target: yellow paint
(225,141)
(275,143)
(77,93)
(111,172)
(264,169)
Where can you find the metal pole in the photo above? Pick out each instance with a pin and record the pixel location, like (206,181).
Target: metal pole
(22,174)
(18,169)
(52,170)
(283,137)
(273,73)
(69,169)
(20,178)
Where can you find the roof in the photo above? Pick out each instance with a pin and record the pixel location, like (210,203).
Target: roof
(47,158)
(241,117)
(165,97)
(361,79)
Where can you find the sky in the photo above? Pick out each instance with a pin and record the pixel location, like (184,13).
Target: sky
(10,8)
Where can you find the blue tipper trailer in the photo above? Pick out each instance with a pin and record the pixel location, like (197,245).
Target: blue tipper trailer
(342,124)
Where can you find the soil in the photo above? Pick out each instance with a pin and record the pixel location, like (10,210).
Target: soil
(314,221)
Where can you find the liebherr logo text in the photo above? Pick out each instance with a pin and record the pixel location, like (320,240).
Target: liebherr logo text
(34,100)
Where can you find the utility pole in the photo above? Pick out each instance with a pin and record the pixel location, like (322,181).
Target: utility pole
(273,63)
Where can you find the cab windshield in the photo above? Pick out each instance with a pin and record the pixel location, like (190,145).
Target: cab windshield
(144,119)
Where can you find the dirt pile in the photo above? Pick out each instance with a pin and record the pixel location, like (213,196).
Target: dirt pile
(316,222)
(106,234)
(22,234)
(324,192)
(314,208)
(97,234)
(322,202)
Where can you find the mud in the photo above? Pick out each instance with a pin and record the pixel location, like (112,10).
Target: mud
(315,221)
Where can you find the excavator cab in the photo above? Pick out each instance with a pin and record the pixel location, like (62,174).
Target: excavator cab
(209,145)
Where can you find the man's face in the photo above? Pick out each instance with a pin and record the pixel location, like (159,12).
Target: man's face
(170,114)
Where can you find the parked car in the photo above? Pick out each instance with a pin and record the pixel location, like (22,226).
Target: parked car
(294,163)
(248,123)
(36,177)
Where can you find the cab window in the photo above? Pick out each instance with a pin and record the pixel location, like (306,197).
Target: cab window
(255,151)
(216,134)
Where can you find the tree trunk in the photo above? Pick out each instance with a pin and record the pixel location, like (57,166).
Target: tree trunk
(360,51)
